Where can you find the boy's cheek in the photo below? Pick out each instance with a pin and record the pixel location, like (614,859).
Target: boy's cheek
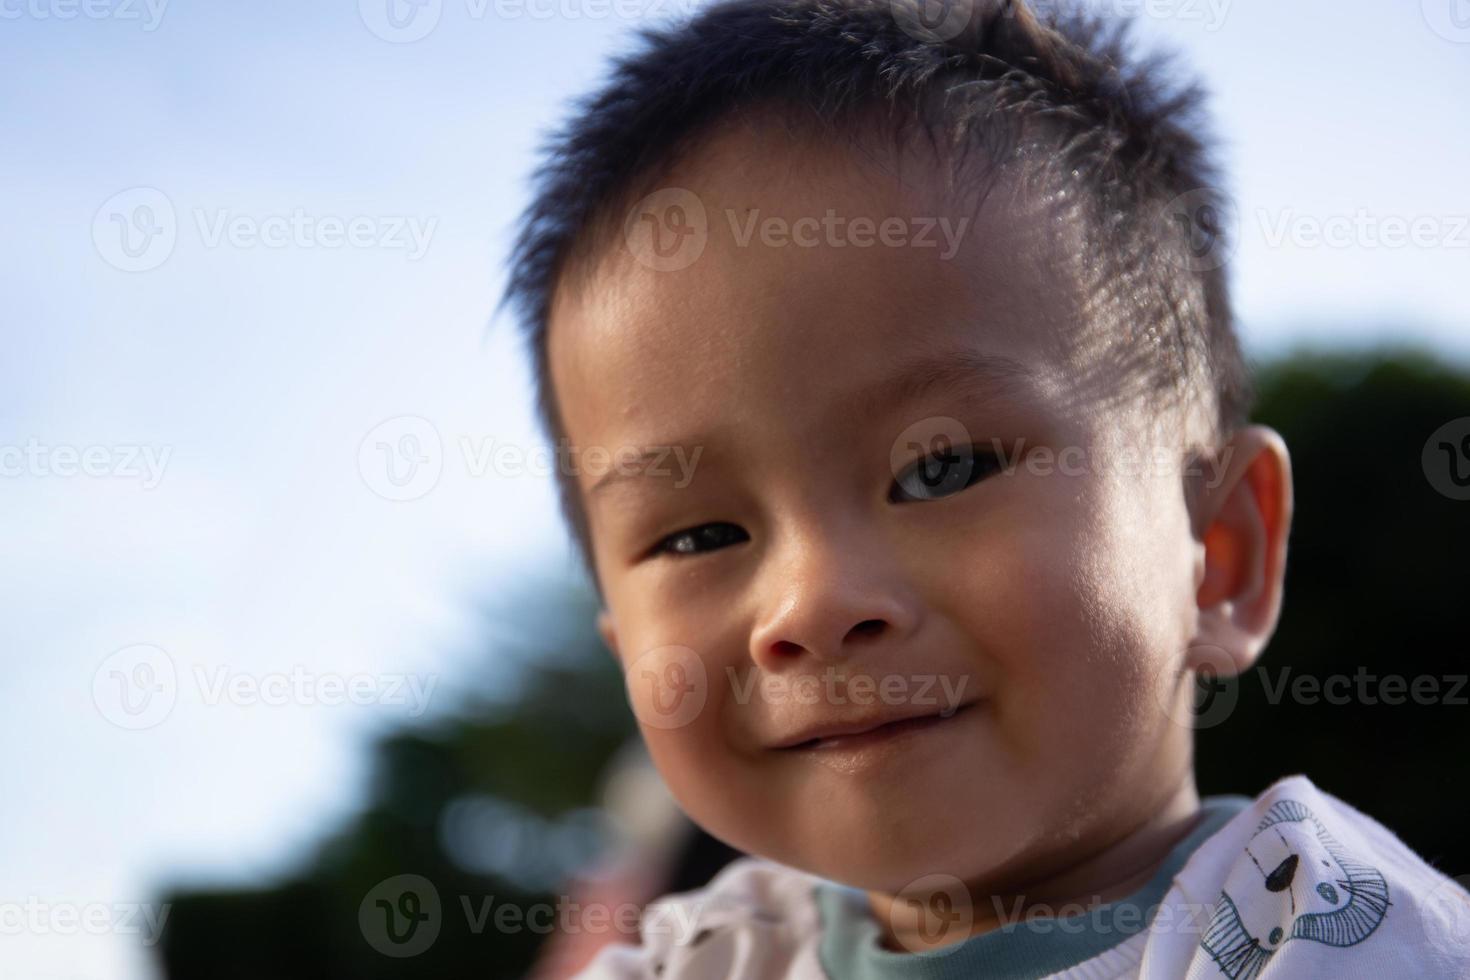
(673,689)
(715,786)
(1076,652)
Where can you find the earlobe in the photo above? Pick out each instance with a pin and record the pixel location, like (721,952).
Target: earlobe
(1246,518)
(608,631)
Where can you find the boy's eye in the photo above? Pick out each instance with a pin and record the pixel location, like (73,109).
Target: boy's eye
(943,471)
(705,537)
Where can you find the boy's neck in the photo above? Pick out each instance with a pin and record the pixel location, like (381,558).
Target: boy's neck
(1112,871)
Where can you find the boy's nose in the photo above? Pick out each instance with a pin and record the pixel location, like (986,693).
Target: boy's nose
(827,604)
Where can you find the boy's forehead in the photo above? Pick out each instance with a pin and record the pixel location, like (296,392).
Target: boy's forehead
(819,269)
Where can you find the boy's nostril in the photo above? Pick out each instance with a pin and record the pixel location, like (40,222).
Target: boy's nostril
(868,627)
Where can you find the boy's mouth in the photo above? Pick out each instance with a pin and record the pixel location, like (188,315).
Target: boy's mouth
(857,733)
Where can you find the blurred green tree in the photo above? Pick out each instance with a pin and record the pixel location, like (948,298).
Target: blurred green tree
(490,805)
(1375,587)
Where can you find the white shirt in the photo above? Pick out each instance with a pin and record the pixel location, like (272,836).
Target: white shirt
(1294,885)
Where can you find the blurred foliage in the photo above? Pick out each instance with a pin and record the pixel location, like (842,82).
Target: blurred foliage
(496,772)
(1375,579)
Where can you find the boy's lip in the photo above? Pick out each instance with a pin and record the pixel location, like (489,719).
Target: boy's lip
(812,735)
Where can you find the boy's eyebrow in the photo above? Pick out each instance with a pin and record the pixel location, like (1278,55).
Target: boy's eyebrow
(958,369)
(635,463)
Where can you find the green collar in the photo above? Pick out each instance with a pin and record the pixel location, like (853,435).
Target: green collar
(1018,951)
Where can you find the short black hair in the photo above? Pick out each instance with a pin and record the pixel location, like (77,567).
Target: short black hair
(1124,131)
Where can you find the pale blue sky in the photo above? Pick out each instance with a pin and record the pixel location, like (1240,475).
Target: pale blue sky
(266,542)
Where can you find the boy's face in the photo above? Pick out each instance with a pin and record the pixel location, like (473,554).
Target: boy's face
(834,587)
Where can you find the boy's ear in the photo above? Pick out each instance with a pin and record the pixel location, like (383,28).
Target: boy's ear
(1243,506)
(608,631)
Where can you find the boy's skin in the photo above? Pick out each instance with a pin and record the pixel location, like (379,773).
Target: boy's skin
(1068,606)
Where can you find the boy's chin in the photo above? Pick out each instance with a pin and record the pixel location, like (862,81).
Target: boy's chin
(894,861)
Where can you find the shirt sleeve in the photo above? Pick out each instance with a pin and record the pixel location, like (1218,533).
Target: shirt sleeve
(617,961)
(755,921)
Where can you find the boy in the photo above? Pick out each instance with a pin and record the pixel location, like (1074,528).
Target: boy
(932,302)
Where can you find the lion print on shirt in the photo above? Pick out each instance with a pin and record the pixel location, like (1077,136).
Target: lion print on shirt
(1298,883)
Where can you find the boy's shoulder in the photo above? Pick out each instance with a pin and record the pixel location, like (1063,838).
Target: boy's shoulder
(1303,884)
(1298,883)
